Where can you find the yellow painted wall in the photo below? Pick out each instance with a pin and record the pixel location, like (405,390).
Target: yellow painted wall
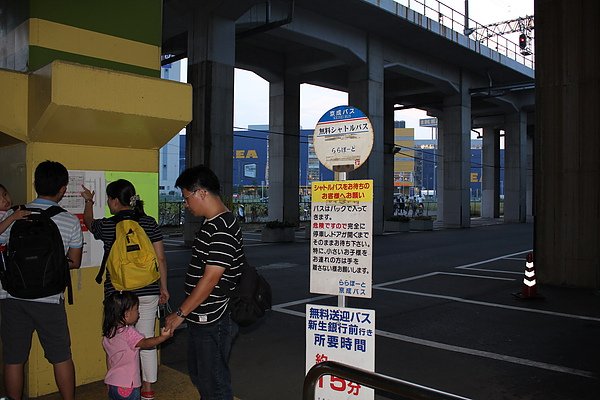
(85,315)
(88,119)
(13,107)
(14,173)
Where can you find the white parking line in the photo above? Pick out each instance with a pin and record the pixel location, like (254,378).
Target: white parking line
(457,349)
(487,354)
(500,271)
(443,346)
(486,304)
(478,276)
(491,259)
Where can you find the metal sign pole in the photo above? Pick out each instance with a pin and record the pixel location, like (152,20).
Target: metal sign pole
(341,176)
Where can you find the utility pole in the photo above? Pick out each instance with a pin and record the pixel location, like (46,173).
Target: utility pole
(524,25)
(467,31)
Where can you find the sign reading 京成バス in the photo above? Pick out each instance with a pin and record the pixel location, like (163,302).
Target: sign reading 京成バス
(341,238)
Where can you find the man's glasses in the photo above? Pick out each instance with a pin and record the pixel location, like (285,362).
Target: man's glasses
(185,198)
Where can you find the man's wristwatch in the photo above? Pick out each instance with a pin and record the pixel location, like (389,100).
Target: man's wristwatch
(180,313)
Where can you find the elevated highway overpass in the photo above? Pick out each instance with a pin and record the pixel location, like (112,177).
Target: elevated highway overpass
(387,56)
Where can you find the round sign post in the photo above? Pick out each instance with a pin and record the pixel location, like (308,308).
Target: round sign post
(343,140)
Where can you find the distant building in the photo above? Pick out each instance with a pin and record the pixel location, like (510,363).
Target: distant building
(404,159)
(415,163)
(170,154)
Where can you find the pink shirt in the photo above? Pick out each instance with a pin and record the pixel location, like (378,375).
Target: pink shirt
(123,358)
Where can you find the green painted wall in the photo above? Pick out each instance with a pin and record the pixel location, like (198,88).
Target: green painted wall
(136,20)
(39,56)
(139,20)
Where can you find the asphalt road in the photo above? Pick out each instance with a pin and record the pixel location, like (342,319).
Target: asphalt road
(445,318)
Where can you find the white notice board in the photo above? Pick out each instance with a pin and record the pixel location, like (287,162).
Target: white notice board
(345,335)
(341,238)
(93,249)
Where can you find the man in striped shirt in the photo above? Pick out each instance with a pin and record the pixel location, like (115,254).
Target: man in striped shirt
(213,274)
(46,315)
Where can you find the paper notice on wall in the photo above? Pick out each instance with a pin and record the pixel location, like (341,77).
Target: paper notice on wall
(95,181)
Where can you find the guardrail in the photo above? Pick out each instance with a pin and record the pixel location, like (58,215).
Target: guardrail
(386,384)
(455,20)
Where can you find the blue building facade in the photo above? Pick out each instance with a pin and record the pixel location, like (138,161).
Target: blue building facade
(427,160)
(250,163)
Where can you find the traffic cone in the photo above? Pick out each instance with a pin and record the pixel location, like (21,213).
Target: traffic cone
(529,283)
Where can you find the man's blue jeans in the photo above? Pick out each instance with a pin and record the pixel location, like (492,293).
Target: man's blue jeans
(208,356)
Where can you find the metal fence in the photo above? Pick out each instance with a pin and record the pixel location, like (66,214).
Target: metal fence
(170,213)
(455,20)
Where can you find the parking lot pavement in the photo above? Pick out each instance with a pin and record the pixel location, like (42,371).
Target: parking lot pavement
(446,318)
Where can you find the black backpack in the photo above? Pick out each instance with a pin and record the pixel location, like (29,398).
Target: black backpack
(251,298)
(35,264)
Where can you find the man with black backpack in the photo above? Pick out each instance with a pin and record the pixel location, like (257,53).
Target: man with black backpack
(49,240)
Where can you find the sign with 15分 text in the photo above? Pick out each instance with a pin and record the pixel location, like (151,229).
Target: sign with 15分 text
(345,335)
(341,238)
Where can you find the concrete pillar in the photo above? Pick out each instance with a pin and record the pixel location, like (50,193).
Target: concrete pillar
(515,157)
(456,158)
(439,170)
(366,93)
(490,182)
(284,149)
(209,137)
(529,181)
(388,158)
(567,159)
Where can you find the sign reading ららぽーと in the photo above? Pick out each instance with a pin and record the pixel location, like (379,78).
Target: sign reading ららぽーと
(345,335)
(341,238)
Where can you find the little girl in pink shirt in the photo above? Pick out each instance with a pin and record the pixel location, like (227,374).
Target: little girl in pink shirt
(122,344)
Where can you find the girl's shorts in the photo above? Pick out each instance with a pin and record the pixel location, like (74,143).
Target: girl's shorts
(121,393)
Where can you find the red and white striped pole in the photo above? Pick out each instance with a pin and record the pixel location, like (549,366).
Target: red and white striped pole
(529,282)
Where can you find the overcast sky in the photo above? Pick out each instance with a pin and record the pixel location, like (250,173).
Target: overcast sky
(251,95)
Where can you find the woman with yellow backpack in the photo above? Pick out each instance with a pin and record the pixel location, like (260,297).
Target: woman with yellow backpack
(134,260)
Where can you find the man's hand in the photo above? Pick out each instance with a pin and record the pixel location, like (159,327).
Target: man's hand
(173,321)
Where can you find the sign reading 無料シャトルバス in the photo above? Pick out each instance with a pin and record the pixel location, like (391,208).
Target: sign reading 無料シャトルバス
(345,335)
(343,138)
(341,238)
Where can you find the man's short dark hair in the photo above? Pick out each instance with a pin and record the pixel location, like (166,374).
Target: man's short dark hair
(198,177)
(49,177)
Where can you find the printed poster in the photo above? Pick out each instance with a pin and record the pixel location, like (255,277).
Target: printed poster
(341,239)
(345,335)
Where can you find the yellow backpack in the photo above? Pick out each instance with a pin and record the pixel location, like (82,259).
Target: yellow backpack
(132,261)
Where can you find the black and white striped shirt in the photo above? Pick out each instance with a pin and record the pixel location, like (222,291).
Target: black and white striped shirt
(219,242)
(105,229)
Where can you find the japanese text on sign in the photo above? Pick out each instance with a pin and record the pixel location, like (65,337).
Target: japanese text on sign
(344,335)
(341,238)
(343,138)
